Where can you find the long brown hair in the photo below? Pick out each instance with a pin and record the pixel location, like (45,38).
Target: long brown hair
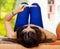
(30,39)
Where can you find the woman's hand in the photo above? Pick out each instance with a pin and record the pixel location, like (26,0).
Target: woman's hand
(20,8)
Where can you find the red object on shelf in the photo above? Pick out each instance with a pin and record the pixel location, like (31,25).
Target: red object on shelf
(51,8)
(52,1)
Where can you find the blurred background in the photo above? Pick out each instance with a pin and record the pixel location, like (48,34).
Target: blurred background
(5,7)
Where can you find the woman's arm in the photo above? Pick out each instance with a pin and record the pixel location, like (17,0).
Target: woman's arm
(8,17)
(49,35)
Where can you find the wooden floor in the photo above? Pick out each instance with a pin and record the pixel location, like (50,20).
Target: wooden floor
(10,45)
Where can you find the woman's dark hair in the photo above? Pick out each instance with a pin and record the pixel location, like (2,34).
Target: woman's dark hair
(29,39)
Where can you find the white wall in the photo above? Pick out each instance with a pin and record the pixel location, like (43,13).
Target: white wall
(58,9)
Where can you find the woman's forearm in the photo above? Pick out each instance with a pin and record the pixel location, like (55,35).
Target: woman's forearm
(9,30)
(8,27)
(9,16)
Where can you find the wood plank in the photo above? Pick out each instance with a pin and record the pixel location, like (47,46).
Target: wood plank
(10,45)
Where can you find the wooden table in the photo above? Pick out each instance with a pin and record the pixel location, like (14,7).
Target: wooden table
(11,45)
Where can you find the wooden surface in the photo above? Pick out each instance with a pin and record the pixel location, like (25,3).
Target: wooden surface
(10,45)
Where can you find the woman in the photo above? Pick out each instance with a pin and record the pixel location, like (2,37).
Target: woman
(28,35)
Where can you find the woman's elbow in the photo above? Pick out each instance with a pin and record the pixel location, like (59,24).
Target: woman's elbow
(54,38)
(7,17)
